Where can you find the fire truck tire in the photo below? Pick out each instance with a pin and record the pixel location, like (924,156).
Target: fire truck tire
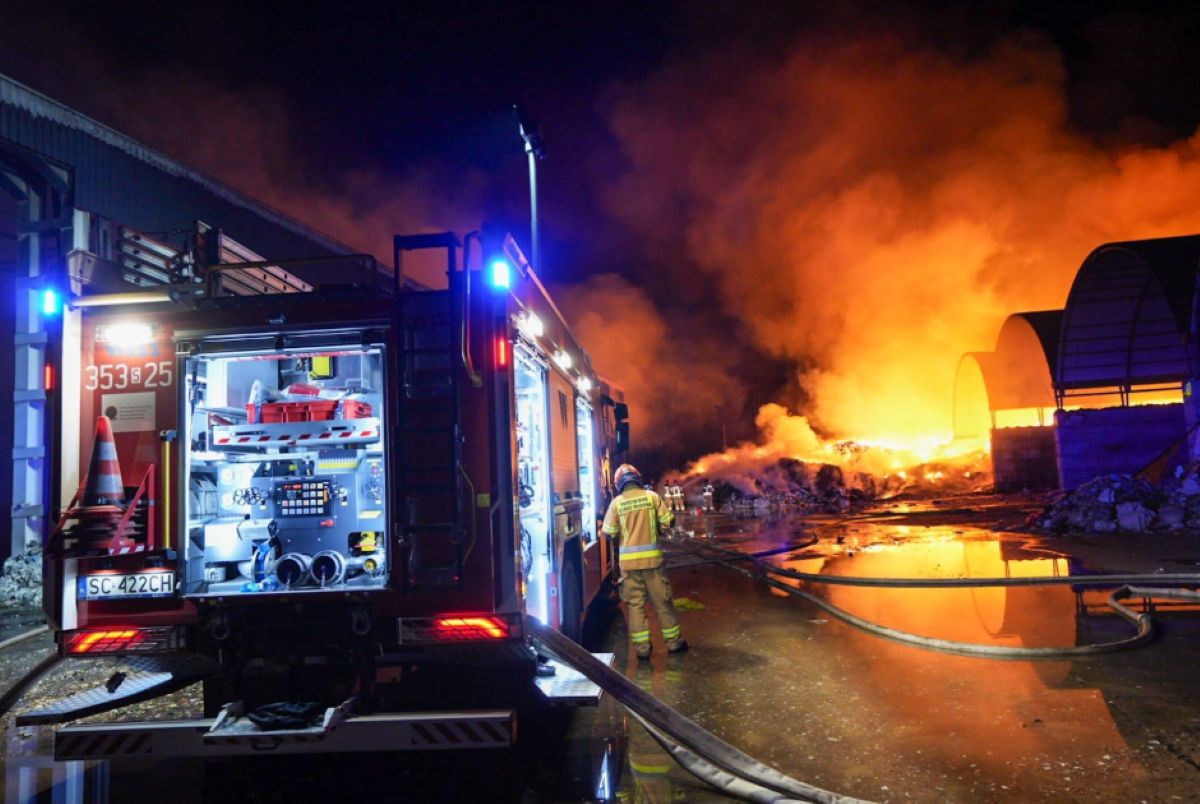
(571,589)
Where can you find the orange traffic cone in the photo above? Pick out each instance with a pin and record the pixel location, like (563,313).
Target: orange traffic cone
(104,485)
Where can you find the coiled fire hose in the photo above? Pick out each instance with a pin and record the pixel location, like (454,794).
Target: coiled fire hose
(711,759)
(1142,622)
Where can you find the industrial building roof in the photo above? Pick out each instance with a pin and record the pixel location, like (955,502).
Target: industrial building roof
(1019,372)
(1128,317)
(124,180)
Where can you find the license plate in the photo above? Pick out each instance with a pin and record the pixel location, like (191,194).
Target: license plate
(117,587)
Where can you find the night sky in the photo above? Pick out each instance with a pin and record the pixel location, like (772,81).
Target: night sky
(355,103)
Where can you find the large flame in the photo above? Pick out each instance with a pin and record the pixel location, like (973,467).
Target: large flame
(930,461)
(870,210)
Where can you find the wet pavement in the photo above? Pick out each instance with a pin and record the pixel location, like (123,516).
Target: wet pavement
(816,698)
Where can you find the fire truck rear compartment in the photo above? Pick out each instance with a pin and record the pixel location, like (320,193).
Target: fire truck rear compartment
(285,472)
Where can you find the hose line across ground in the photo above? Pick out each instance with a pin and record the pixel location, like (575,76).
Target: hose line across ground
(709,748)
(1143,624)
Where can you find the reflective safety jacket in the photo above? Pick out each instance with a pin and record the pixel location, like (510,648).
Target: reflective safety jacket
(636,516)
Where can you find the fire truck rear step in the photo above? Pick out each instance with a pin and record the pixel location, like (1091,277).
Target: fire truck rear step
(233,726)
(569,687)
(407,731)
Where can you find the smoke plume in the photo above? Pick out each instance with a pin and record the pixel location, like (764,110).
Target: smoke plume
(247,139)
(673,376)
(871,208)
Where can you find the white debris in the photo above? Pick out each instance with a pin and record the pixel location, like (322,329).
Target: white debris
(1121,502)
(21,583)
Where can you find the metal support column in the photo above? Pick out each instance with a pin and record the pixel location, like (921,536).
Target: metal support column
(44,226)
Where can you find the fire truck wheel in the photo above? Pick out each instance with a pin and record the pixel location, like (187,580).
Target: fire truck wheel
(572,600)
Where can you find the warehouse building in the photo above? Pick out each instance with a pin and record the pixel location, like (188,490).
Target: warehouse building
(1099,387)
(87,210)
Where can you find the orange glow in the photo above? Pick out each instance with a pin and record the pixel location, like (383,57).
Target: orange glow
(785,435)
(1024,417)
(48,377)
(879,209)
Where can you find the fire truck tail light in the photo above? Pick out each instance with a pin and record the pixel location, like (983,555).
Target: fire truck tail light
(483,627)
(471,628)
(94,642)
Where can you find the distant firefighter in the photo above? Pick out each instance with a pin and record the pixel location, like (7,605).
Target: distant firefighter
(637,515)
(708,496)
(677,498)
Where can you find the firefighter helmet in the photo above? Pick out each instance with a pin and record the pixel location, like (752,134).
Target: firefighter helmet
(626,473)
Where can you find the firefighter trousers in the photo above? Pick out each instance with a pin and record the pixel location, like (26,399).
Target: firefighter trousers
(639,584)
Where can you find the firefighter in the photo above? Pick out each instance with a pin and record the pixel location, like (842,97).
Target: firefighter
(708,496)
(636,516)
(677,498)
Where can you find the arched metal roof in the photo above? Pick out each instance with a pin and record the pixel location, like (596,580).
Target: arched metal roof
(1129,315)
(1019,372)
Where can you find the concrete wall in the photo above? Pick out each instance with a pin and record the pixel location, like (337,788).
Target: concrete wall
(1024,458)
(1114,440)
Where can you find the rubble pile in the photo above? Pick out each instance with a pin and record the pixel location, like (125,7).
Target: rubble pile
(828,488)
(21,583)
(1123,503)
(807,488)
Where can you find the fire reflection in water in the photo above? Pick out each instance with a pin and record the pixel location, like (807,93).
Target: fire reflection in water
(1003,705)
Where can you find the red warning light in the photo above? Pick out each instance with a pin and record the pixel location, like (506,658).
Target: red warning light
(501,352)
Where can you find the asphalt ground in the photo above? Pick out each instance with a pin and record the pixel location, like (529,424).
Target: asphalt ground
(813,697)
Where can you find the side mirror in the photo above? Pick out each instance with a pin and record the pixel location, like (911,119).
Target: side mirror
(622,436)
(621,411)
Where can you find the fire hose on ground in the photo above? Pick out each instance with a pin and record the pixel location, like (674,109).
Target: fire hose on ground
(720,764)
(1142,622)
(700,751)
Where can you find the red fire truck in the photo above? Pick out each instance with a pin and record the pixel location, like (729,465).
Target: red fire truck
(340,488)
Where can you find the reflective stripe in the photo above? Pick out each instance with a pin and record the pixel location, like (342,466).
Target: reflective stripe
(640,636)
(671,633)
(613,531)
(650,770)
(640,551)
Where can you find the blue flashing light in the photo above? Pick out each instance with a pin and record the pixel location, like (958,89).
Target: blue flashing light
(500,274)
(51,303)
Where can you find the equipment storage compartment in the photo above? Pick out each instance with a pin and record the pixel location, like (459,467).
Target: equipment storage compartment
(285,471)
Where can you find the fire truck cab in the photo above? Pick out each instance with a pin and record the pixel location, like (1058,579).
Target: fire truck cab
(338,485)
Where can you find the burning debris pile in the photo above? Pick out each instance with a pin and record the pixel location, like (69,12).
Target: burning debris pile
(791,483)
(1122,503)
(797,467)
(21,583)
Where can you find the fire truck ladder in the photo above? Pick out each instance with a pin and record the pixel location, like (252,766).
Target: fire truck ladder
(430,442)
